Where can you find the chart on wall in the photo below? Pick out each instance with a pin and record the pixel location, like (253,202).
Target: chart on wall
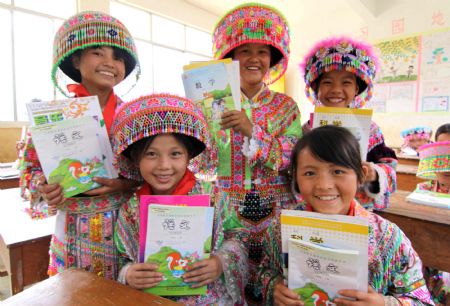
(414,74)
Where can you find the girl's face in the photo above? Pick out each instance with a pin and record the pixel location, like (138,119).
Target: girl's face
(443,137)
(254,62)
(99,68)
(337,88)
(416,143)
(164,164)
(327,187)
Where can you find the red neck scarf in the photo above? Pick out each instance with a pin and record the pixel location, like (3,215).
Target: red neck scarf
(185,185)
(108,111)
(351,210)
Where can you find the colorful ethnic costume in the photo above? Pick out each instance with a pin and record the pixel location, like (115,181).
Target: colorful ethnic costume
(435,157)
(358,58)
(159,114)
(84,234)
(418,133)
(395,269)
(252,172)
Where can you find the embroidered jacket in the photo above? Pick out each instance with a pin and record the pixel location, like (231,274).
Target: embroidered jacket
(228,244)
(253,175)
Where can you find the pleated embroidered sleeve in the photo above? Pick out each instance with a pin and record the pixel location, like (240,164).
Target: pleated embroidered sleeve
(276,129)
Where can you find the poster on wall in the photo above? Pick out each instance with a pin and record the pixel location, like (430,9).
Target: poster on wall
(402,97)
(379,98)
(435,56)
(435,104)
(398,60)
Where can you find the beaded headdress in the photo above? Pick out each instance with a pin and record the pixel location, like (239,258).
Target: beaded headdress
(418,132)
(153,115)
(434,157)
(89,29)
(341,53)
(253,23)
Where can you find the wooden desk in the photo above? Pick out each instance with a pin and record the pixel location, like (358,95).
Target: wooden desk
(406,177)
(427,227)
(24,243)
(9,183)
(408,160)
(78,287)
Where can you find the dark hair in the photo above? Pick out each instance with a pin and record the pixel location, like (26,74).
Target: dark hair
(66,64)
(331,144)
(275,55)
(443,129)
(136,151)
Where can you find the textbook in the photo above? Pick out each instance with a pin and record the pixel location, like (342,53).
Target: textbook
(215,87)
(173,235)
(429,198)
(324,253)
(72,143)
(356,120)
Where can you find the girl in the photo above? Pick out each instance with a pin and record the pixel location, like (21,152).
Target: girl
(327,171)
(97,52)
(252,163)
(339,72)
(443,133)
(155,137)
(415,137)
(434,164)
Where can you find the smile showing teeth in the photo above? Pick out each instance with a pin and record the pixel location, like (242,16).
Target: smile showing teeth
(327,198)
(107,73)
(252,68)
(335,100)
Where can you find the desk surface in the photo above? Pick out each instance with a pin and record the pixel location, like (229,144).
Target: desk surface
(399,206)
(408,169)
(16,225)
(78,287)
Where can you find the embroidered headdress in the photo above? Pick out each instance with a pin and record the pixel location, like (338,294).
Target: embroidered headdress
(434,157)
(418,132)
(89,29)
(254,23)
(340,53)
(153,115)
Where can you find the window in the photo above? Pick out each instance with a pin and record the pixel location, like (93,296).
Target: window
(26,64)
(164,47)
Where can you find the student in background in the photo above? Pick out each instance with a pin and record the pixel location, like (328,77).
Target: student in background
(327,171)
(415,137)
(443,133)
(434,165)
(339,72)
(95,52)
(252,163)
(155,138)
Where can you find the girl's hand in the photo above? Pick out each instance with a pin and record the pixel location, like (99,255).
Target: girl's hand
(238,121)
(371,175)
(282,295)
(143,276)
(111,185)
(361,298)
(52,194)
(204,271)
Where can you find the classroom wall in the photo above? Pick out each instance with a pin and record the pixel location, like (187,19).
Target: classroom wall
(373,21)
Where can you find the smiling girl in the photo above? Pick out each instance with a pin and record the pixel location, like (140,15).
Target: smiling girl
(327,171)
(252,164)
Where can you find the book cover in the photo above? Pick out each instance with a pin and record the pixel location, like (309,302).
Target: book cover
(174,237)
(338,232)
(72,142)
(215,87)
(429,198)
(317,273)
(70,154)
(356,120)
